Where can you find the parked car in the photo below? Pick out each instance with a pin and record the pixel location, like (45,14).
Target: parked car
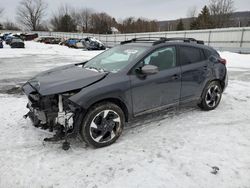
(88,43)
(41,39)
(17,43)
(52,40)
(80,45)
(29,36)
(95,98)
(91,43)
(71,42)
(49,40)
(4,35)
(1,43)
(8,39)
(56,40)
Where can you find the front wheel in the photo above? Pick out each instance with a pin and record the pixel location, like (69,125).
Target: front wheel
(102,125)
(211,96)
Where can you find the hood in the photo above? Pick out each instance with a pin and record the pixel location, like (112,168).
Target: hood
(63,79)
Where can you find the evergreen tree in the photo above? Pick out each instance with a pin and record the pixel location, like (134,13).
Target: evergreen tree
(203,21)
(194,24)
(180,26)
(67,24)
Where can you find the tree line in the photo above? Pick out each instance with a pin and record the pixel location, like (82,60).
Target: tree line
(214,15)
(31,15)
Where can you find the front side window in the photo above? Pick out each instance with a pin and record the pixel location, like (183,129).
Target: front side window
(163,58)
(115,59)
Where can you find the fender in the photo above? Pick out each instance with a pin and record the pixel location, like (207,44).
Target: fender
(110,87)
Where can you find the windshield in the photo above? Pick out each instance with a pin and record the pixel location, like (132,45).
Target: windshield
(115,59)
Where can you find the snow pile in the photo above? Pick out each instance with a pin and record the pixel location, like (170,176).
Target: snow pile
(167,150)
(236,61)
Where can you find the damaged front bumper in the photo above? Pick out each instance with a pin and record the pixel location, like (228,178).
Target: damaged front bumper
(52,112)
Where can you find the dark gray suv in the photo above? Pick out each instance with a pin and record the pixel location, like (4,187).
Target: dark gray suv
(94,99)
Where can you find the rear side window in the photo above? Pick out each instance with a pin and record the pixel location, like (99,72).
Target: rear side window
(189,55)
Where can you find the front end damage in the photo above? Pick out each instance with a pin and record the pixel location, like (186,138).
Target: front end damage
(49,95)
(54,112)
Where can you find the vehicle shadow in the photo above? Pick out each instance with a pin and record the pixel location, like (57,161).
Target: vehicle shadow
(156,117)
(144,121)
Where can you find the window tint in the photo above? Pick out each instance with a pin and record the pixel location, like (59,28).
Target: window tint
(163,58)
(189,55)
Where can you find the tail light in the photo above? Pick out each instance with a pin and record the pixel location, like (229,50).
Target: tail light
(223,61)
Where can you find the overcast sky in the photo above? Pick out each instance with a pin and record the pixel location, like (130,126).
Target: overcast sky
(153,9)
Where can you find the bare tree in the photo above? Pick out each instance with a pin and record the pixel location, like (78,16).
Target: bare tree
(30,13)
(101,23)
(192,12)
(83,18)
(221,11)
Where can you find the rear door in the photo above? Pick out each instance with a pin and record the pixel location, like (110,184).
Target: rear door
(153,91)
(194,70)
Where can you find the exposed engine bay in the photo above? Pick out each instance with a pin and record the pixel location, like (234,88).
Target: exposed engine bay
(49,101)
(56,113)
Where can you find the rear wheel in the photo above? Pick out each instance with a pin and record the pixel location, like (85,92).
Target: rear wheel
(211,96)
(102,125)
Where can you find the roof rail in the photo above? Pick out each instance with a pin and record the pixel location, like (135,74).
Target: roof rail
(159,40)
(142,39)
(185,40)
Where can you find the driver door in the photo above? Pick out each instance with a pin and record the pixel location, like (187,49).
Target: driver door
(150,92)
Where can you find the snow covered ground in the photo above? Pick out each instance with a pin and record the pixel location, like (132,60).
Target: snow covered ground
(167,150)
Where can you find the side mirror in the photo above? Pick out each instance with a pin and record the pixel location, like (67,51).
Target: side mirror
(149,69)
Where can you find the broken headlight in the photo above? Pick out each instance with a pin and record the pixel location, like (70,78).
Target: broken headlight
(35,84)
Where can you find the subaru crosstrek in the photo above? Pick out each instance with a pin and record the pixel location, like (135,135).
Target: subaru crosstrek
(94,99)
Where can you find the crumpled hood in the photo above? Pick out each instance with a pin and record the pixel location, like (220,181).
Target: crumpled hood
(65,78)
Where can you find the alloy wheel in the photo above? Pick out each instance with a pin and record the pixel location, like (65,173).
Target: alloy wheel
(104,126)
(213,96)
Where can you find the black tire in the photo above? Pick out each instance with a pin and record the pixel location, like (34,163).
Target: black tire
(103,122)
(211,96)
